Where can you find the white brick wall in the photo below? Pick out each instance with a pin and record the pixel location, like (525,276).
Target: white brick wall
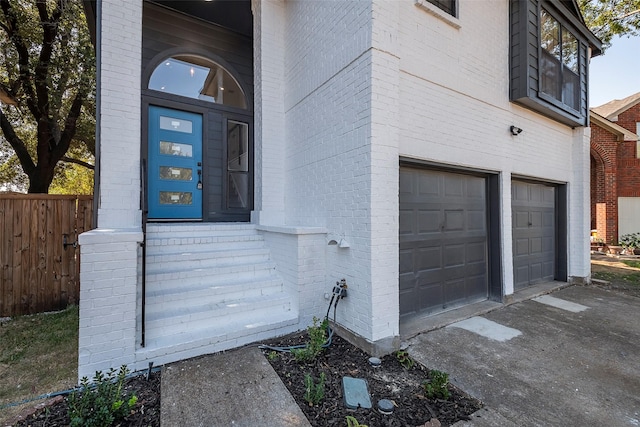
(366,83)
(300,254)
(455,110)
(328,152)
(269,116)
(109,263)
(119,132)
(108,277)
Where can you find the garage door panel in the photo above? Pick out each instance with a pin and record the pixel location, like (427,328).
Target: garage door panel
(407,183)
(406,261)
(429,221)
(476,220)
(476,189)
(476,252)
(521,247)
(407,225)
(535,245)
(428,185)
(547,268)
(476,285)
(454,291)
(522,274)
(534,232)
(521,219)
(453,185)
(450,239)
(453,220)
(428,259)
(454,255)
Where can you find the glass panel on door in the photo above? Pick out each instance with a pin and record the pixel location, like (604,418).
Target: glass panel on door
(237,165)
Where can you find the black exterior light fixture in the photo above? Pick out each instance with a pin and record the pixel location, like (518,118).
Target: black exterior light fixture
(515,131)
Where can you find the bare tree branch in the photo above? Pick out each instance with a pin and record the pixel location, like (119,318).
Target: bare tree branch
(18,145)
(78,162)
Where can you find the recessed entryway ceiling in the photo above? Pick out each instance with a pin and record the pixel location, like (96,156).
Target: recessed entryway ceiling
(234,15)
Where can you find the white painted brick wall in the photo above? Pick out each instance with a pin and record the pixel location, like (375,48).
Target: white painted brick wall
(455,110)
(328,152)
(108,277)
(300,254)
(109,262)
(269,115)
(119,132)
(366,83)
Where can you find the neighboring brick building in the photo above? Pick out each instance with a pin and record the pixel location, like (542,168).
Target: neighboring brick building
(429,152)
(615,168)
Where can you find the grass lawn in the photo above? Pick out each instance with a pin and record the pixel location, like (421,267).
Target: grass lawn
(627,276)
(38,355)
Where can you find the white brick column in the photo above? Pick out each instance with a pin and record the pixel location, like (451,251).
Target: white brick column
(269,117)
(108,279)
(384,175)
(579,221)
(109,263)
(120,52)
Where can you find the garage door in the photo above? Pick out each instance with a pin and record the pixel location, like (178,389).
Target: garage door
(533,210)
(443,240)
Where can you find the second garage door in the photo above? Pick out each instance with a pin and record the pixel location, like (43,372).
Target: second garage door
(534,231)
(443,240)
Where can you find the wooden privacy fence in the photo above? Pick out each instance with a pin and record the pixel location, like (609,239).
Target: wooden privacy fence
(39,258)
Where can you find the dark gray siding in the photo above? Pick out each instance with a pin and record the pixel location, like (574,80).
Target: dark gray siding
(164,29)
(524,59)
(212,157)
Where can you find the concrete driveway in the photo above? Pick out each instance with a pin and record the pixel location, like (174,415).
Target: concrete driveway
(571,358)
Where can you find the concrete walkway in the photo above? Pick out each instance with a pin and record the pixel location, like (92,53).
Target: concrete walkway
(234,388)
(568,359)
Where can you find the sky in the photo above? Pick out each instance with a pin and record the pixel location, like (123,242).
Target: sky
(616,74)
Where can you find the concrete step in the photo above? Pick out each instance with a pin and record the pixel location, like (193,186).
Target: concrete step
(211,259)
(163,299)
(242,271)
(210,287)
(211,339)
(180,319)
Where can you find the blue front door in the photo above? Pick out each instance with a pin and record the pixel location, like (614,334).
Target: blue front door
(175,164)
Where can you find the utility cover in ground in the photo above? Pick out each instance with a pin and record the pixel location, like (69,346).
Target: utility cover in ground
(356,393)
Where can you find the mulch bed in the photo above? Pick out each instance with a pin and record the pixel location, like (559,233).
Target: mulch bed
(389,381)
(145,413)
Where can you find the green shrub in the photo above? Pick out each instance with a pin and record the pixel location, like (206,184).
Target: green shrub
(102,403)
(353,422)
(314,392)
(405,360)
(437,386)
(317,338)
(630,241)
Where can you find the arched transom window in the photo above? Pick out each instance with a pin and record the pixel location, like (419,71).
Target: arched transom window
(197,78)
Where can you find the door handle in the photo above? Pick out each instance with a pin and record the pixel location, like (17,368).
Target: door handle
(199,185)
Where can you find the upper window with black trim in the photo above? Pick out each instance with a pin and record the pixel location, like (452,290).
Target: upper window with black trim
(559,65)
(550,47)
(448,6)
